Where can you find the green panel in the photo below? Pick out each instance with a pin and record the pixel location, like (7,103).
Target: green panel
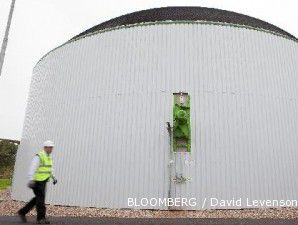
(181,123)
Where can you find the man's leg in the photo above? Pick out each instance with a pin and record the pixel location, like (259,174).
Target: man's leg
(40,200)
(28,207)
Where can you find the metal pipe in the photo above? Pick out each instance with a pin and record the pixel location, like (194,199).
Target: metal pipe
(169,128)
(5,39)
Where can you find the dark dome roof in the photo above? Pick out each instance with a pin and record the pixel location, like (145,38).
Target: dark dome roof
(186,14)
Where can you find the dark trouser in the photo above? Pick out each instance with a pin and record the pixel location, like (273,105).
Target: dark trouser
(39,200)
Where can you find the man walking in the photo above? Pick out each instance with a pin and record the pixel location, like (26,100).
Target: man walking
(41,170)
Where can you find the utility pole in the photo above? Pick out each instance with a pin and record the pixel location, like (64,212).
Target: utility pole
(5,39)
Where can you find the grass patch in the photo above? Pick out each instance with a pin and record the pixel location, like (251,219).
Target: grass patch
(4,183)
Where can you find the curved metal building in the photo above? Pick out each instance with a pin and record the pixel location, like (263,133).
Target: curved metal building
(106,95)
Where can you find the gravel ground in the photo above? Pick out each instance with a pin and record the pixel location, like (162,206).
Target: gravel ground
(8,207)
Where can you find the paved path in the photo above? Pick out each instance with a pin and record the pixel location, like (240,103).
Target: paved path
(10,220)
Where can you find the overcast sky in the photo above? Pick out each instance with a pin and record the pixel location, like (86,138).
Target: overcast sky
(41,25)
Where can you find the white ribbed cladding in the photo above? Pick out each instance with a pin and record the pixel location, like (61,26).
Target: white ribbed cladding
(105,100)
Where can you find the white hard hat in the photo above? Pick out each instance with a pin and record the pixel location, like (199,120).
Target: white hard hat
(48,144)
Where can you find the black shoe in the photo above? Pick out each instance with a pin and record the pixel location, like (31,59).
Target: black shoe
(22,217)
(43,221)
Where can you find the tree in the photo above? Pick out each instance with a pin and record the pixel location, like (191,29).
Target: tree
(8,150)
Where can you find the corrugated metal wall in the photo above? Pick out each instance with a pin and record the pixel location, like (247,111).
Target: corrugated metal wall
(105,100)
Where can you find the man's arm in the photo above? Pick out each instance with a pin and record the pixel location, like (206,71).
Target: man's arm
(53,172)
(53,175)
(33,167)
